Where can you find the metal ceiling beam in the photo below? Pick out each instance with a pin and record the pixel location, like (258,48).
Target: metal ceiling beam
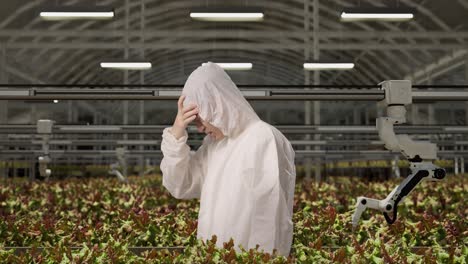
(27,77)
(22,75)
(182,5)
(22,9)
(174,5)
(161,18)
(172,64)
(93,45)
(422,10)
(391,59)
(463,3)
(194,33)
(442,65)
(235,34)
(177,5)
(275,7)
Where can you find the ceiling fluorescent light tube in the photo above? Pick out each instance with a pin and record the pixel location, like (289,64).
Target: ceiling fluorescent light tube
(385,14)
(317,66)
(234,14)
(235,66)
(126,65)
(71,13)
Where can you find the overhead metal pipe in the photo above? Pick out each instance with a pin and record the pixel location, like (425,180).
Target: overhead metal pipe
(258,94)
(272,86)
(287,129)
(94,142)
(158,153)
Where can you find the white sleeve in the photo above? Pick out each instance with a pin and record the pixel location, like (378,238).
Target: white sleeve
(271,223)
(182,169)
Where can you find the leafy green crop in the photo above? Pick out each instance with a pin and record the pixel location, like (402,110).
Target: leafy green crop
(102,220)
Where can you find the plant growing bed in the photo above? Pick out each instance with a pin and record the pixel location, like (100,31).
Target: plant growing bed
(88,220)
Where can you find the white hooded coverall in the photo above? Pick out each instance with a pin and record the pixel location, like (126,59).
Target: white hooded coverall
(245,181)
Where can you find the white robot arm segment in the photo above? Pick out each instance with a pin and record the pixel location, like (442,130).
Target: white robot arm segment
(420,154)
(121,163)
(44,129)
(43,163)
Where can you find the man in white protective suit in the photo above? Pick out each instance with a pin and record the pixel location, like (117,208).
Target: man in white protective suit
(243,173)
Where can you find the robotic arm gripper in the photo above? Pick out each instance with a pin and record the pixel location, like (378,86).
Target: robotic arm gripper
(420,154)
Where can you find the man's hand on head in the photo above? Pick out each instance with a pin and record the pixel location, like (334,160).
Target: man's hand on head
(185,115)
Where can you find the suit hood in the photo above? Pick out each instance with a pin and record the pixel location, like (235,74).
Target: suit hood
(219,100)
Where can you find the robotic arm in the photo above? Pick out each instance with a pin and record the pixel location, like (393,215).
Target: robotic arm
(44,128)
(420,154)
(149,169)
(121,163)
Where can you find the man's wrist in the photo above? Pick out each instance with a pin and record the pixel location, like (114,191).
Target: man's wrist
(177,131)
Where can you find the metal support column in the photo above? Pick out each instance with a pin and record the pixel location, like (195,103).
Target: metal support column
(453,116)
(466,108)
(431,115)
(71,120)
(316,43)
(466,81)
(97,121)
(357,116)
(430,109)
(32,168)
(307,105)
(142,81)
(366,118)
(380,110)
(126,56)
(462,165)
(415,114)
(3,79)
(15,168)
(32,120)
(3,105)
